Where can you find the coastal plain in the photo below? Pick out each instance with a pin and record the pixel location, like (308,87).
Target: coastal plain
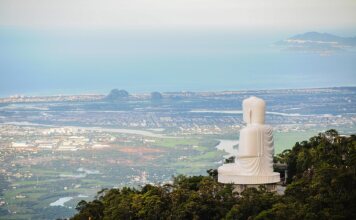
(55,152)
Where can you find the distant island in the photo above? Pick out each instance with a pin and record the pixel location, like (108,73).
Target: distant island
(315,42)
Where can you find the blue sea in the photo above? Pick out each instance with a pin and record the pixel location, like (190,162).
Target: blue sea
(48,62)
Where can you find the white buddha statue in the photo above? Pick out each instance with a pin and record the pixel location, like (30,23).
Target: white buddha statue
(254,160)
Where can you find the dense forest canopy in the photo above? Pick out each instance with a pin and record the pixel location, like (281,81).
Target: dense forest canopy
(321,184)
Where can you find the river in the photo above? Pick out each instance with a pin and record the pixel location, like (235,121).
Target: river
(228,147)
(61,201)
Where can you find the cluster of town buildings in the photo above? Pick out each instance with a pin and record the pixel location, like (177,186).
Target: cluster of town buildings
(28,138)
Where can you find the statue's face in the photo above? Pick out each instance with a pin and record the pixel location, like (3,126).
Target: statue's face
(254,110)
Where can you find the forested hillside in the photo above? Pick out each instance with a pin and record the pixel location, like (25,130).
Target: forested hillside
(321,184)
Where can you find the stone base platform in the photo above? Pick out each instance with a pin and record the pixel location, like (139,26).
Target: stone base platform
(249,180)
(229,173)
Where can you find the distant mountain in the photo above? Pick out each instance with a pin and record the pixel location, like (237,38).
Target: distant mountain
(116,95)
(315,42)
(325,37)
(156,96)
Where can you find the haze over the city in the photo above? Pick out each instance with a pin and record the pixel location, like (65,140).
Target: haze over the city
(66,47)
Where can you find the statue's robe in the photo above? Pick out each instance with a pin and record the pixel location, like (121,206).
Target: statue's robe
(255,151)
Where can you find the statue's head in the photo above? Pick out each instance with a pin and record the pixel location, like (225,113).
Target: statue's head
(254,110)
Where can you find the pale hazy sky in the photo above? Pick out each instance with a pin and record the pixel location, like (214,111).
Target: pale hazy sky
(76,46)
(278,14)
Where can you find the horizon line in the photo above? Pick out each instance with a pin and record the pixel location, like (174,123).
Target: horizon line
(181,91)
